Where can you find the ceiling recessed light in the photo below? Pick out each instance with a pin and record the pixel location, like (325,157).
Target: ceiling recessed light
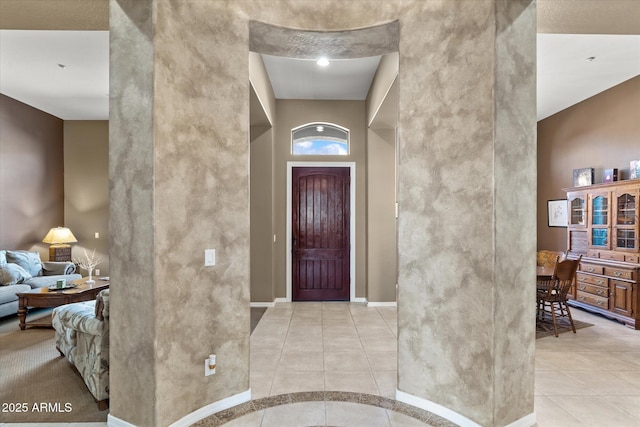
(322,61)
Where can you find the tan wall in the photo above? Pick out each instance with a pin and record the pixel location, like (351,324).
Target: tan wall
(293,113)
(381,220)
(31,176)
(86,183)
(382,117)
(382,82)
(261,211)
(262,86)
(601,132)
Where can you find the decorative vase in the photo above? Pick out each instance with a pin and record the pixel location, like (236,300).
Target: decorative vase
(90,280)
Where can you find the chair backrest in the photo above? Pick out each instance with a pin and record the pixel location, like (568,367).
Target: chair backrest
(566,269)
(564,273)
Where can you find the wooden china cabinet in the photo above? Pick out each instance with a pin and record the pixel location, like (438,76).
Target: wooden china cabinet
(604,227)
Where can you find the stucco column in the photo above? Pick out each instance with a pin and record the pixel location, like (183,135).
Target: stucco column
(467,197)
(179,185)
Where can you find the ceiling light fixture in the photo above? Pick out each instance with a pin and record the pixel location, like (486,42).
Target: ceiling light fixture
(322,61)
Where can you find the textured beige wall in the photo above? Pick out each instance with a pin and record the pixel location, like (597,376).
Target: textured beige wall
(601,132)
(86,185)
(466,188)
(31,176)
(294,113)
(136,341)
(179,178)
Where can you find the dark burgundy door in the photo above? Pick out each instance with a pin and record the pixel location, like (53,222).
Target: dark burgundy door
(320,221)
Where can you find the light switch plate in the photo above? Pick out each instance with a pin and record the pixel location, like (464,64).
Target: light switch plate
(209,257)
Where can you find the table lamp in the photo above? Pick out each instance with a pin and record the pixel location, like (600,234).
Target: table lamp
(58,238)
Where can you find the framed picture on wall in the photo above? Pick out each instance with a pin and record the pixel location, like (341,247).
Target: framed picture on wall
(582,177)
(557,213)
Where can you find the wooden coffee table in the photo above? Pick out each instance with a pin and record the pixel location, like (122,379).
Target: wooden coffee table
(44,297)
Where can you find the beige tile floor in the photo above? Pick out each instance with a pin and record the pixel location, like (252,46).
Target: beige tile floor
(591,378)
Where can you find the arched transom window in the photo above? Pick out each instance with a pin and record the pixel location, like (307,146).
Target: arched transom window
(320,139)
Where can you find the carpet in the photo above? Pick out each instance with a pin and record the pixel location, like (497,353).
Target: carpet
(544,328)
(41,384)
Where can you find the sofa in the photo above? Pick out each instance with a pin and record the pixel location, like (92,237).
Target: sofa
(21,271)
(82,336)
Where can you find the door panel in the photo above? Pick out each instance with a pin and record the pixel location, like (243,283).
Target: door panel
(320,222)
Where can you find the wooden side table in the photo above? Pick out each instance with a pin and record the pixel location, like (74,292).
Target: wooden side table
(45,298)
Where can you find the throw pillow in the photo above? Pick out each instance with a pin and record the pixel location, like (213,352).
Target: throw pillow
(10,274)
(30,261)
(3,257)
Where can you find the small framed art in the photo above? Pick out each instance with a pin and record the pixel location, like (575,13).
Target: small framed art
(557,213)
(610,175)
(582,177)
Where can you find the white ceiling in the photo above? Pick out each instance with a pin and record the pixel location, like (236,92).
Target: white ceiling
(29,71)
(342,79)
(567,76)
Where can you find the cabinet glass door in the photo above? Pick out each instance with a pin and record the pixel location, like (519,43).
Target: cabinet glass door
(626,238)
(625,221)
(578,216)
(600,211)
(626,209)
(600,225)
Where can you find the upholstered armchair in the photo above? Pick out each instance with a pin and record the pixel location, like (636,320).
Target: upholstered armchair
(82,336)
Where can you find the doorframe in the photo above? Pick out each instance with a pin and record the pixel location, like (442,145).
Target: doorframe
(352,220)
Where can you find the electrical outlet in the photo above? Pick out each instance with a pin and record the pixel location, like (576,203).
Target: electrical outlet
(210,365)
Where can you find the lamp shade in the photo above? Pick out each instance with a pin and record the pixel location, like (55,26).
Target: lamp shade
(59,235)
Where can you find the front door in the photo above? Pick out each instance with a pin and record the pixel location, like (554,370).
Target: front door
(320,222)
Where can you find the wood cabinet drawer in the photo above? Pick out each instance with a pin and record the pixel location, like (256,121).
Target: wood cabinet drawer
(593,253)
(619,273)
(592,280)
(594,290)
(591,268)
(595,300)
(612,256)
(632,258)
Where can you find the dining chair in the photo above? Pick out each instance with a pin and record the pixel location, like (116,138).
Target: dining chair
(552,293)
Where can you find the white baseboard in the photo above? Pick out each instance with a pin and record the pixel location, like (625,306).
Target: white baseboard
(437,409)
(212,408)
(382,304)
(267,304)
(526,421)
(117,422)
(461,420)
(359,299)
(197,415)
(262,304)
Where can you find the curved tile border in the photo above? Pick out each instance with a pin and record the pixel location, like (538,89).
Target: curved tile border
(222,417)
